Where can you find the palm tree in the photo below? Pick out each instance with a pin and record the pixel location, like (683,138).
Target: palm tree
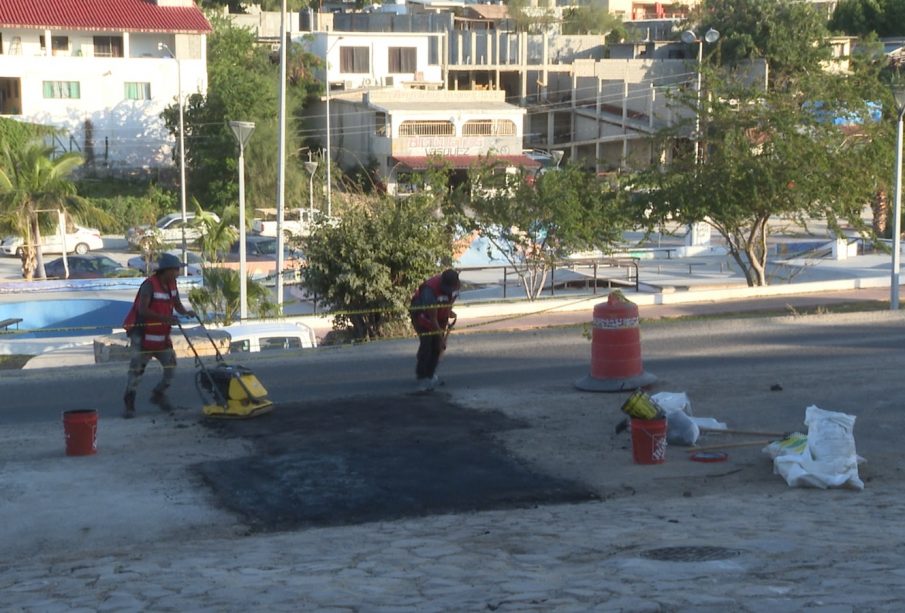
(219,298)
(32,182)
(216,236)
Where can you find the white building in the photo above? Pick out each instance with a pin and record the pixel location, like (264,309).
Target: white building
(369,59)
(102,70)
(400,130)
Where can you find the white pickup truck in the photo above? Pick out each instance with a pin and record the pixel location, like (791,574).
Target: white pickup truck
(297,222)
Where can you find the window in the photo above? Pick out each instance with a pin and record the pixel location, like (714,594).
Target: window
(62,89)
(380,124)
(280,342)
(108,46)
(488,127)
(402,59)
(137,91)
(354,60)
(433,51)
(57,43)
(427,128)
(240,347)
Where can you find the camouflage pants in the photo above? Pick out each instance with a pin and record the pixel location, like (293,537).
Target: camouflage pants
(139,361)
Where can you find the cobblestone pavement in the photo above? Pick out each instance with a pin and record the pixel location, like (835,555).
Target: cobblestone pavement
(799,550)
(680,536)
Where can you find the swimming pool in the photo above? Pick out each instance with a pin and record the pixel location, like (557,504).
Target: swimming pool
(48,318)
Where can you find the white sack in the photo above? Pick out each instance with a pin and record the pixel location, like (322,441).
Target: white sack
(680,429)
(829,460)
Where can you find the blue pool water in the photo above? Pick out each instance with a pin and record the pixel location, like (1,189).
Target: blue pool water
(47,318)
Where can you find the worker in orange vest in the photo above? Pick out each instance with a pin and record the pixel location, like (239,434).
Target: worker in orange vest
(148,325)
(433,318)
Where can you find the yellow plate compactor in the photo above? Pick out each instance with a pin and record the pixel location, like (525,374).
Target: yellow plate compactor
(227,391)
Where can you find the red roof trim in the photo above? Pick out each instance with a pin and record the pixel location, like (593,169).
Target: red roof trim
(422,162)
(102,15)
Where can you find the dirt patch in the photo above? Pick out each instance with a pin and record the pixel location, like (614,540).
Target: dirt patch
(369,459)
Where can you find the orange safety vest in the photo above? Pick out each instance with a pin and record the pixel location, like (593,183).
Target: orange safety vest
(421,313)
(155,334)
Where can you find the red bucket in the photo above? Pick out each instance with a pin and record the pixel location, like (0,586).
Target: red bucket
(81,432)
(649,441)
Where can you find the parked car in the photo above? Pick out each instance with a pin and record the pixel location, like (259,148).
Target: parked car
(195,262)
(251,338)
(91,266)
(260,248)
(295,222)
(78,240)
(168,228)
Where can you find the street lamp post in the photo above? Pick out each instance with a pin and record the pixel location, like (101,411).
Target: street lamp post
(281,170)
(311,167)
(689,37)
(327,89)
(242,131)
(185,256)
(898,90)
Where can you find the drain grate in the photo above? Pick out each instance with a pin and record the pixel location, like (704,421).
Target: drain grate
(690,554)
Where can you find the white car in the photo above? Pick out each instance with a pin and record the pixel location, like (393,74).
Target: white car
(251,338)
(168,228)
(80,240)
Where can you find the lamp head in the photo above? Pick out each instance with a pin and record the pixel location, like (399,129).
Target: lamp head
(689,37)
(711,36)
(898,92)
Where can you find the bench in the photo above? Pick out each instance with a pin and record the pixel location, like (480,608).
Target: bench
(6,323)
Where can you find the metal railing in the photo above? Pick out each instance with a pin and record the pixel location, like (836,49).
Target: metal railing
(626,275)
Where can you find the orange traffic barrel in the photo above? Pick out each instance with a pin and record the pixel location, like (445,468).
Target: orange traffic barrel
(615,348)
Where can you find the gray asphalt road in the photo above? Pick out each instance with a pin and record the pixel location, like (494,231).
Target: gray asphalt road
(837,362)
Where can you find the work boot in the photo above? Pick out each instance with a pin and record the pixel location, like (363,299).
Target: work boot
(162,402)
(425,384)
(129,402)
(437,381)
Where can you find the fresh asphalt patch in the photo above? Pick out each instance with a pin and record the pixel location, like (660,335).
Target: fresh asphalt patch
(369,459)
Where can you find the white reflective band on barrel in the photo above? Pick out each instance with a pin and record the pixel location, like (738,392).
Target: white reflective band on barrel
(609,324)
(155,338)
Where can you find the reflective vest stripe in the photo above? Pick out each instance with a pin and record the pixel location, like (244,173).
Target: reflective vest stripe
(611,324)
(155,338)
(161,296)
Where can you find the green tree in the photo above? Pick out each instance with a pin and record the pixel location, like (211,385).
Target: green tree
(535,223)
(30,181)
(776,152)
(791,35)
(219,299)
(243,85)
(773,154)
(857,17)
(527,18)
(366,267)
(592,18)
(866,17)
